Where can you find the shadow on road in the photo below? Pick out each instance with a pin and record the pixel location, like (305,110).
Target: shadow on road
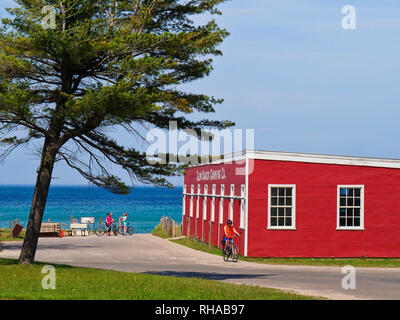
(61,246)
(211,276)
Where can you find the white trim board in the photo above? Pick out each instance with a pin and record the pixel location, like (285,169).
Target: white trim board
(308,158)
(246,220)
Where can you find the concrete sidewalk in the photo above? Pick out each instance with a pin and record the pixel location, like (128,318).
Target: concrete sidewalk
(149,254)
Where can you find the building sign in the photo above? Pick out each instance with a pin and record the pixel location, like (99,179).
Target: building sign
(87,220)
(210,175)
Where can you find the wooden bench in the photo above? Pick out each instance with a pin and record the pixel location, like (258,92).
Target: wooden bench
(50,229)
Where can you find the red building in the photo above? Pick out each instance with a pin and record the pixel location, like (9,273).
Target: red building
(297,205)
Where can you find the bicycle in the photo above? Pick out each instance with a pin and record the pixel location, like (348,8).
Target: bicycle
(129,230)
(231,251)
(102,229)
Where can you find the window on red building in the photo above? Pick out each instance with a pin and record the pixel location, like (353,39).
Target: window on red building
(281,207)
(350,207)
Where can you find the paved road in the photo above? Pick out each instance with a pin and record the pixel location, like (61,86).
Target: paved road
(148,254)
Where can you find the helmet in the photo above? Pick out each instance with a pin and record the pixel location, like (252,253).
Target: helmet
(229,222)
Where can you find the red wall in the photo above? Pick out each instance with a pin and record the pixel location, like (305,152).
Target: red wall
(199,228)
(316,211)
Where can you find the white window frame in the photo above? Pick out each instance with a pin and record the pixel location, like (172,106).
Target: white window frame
(198,201)
(205,202)
(184,200)
(191,200)
(214,189)
(361,227)
(242,205)
(231,202)
(221,205)
(293,226)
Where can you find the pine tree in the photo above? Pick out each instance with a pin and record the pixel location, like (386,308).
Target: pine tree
(105,64)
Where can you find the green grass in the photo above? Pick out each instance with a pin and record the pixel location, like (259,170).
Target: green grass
(5,235)
(160,232)
(24,282)
(355,262)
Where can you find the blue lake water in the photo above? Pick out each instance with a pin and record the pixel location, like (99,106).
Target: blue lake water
(144,205)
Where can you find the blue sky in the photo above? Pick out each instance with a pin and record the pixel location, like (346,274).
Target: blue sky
(291,73)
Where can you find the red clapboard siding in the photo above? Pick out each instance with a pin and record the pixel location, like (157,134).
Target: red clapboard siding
(218,174)
(316,211)
(316,184)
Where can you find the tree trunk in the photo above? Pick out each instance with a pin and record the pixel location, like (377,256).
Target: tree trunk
(42,186)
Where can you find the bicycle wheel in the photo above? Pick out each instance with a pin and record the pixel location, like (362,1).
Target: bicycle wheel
(120,230)
(225,254)
(100,230)
(114,230)
(130,230)
(235,253)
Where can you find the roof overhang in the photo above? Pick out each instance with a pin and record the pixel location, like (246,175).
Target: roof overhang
(307,158)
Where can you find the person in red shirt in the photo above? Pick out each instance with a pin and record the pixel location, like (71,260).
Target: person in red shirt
(229,231)
(109,221)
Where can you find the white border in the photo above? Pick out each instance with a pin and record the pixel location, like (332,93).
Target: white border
(293,227)
(361,227)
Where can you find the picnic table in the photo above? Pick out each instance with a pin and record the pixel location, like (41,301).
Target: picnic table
(50,229)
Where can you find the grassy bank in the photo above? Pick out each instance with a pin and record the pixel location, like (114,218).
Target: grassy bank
(5,235)
(24,282)
(161,232)
(355,262)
